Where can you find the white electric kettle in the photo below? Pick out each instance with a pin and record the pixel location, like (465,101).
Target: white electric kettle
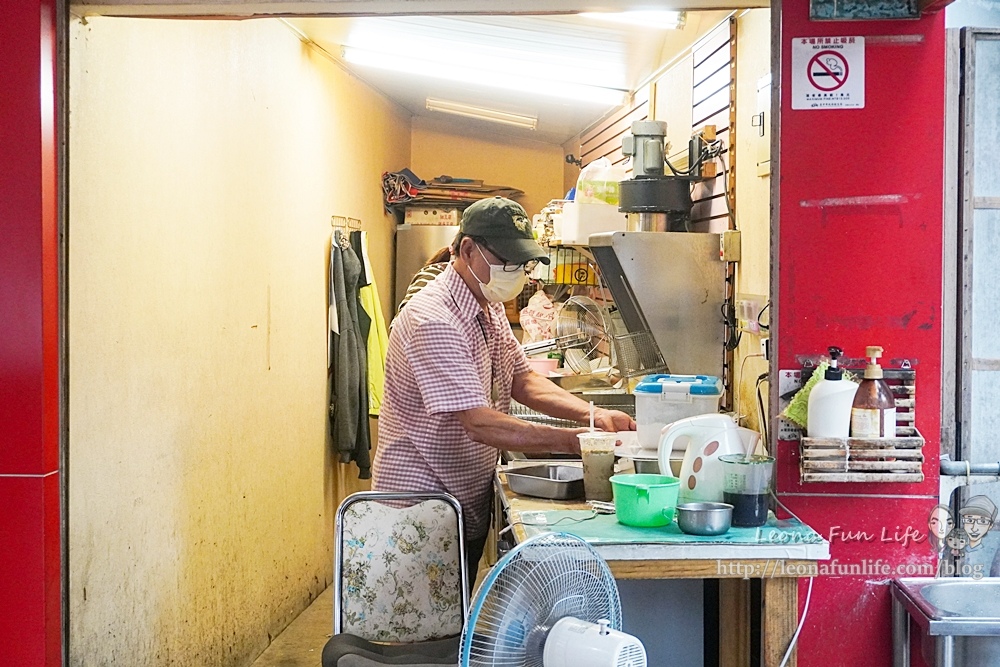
(704,439)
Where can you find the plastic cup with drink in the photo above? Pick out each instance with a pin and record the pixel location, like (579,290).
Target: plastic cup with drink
(597,449)
(746,486)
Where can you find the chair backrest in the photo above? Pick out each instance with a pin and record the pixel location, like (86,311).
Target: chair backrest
(399,567)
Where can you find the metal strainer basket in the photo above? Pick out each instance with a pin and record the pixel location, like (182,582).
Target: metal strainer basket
(637,354)
(632,353)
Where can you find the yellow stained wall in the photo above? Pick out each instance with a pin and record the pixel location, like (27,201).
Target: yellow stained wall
(753,198)
(536,168)
(206,161)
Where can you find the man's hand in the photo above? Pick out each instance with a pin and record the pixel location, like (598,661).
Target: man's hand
(613,420)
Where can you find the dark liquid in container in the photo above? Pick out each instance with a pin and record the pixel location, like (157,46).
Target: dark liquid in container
(749,509)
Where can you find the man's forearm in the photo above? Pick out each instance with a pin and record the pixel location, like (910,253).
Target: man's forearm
(545,396)
(502,431)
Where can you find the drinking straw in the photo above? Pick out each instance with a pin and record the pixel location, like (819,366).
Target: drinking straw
(591,416)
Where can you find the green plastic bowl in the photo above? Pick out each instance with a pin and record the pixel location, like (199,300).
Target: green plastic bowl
(645,501)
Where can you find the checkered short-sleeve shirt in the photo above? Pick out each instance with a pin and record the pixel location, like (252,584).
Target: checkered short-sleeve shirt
(445,355)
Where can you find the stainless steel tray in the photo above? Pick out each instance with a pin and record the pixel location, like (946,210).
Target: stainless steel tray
(555,482)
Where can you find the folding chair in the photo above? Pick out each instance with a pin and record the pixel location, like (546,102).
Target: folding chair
(400,584)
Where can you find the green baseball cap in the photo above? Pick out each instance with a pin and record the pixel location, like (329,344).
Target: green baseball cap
(505,227)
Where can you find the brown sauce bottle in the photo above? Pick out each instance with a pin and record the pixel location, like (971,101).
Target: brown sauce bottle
(873,413)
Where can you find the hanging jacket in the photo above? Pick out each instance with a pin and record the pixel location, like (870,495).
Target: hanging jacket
(349,382)
(364,318)
(378,334)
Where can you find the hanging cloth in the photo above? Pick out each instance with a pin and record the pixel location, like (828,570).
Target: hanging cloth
(364,318)
(348,376)
(378,334)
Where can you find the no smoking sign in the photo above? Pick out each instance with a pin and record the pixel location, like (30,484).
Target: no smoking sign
(828,73)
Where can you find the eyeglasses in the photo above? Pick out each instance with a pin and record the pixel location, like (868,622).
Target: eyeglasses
(977,520)
(510,267)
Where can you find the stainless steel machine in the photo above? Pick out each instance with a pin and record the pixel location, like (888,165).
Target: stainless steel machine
(672,285)
(669,285)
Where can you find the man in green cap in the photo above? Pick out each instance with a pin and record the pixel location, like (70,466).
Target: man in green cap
(453,366)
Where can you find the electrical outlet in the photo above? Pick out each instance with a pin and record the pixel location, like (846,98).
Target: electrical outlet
(789,381)
(748,307)
(765,347)
(730,246)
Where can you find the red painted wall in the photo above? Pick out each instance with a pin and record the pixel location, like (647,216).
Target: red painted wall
(29,345)
(863,275)
(893,146)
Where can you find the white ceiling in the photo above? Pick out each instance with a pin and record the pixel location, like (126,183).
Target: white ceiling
(629,53)
(256,8)
(615,55)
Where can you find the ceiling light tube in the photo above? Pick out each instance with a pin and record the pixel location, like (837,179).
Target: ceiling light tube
(482,113)
(658,19)
(589,69)
(454,72)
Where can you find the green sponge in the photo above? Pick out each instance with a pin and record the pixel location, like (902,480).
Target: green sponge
(797,410)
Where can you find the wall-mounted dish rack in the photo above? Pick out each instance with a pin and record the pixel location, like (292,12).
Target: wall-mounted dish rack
(898,459)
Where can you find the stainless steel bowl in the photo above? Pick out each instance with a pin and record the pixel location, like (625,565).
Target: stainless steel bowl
(646,466)
(704,518)
(652,467)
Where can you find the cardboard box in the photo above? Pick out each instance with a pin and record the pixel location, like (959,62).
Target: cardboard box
(431,215)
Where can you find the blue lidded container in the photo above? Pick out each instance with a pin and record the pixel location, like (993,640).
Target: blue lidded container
(663,399)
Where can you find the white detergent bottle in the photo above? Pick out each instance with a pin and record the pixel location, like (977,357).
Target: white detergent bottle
(830,402)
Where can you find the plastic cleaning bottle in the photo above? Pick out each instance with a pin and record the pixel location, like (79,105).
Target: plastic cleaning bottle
(830,402)
(873,413)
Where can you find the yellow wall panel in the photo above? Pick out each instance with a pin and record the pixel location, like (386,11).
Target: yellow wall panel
(206,160)
(753,199)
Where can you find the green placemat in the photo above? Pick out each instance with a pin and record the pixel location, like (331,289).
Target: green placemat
(605,529)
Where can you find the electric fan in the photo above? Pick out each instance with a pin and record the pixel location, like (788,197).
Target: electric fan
(550,602)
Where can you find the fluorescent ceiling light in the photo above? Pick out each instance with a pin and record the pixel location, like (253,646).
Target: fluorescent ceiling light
(482,113)
(456,70)
(495,50)
(663,20)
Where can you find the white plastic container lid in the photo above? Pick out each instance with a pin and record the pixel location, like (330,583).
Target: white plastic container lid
(696,385)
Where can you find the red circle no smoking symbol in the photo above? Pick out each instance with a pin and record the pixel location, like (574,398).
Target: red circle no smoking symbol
(827,70)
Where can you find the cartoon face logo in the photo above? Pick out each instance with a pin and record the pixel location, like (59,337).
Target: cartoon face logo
(957,541)
(977,517)
(941,522)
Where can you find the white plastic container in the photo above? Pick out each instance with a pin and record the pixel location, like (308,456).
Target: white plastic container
(830,401)
(579,221)
(830,409)
(663,399)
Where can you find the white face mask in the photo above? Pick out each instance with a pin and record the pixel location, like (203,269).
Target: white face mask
(503,285)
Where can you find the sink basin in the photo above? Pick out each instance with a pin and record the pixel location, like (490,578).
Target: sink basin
(970,599)
(958,619)
(952,606)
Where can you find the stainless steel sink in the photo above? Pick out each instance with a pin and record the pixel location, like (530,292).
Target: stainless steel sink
(946,609)
(979,600)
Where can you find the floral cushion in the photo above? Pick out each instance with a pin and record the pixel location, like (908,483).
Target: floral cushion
(401,577)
